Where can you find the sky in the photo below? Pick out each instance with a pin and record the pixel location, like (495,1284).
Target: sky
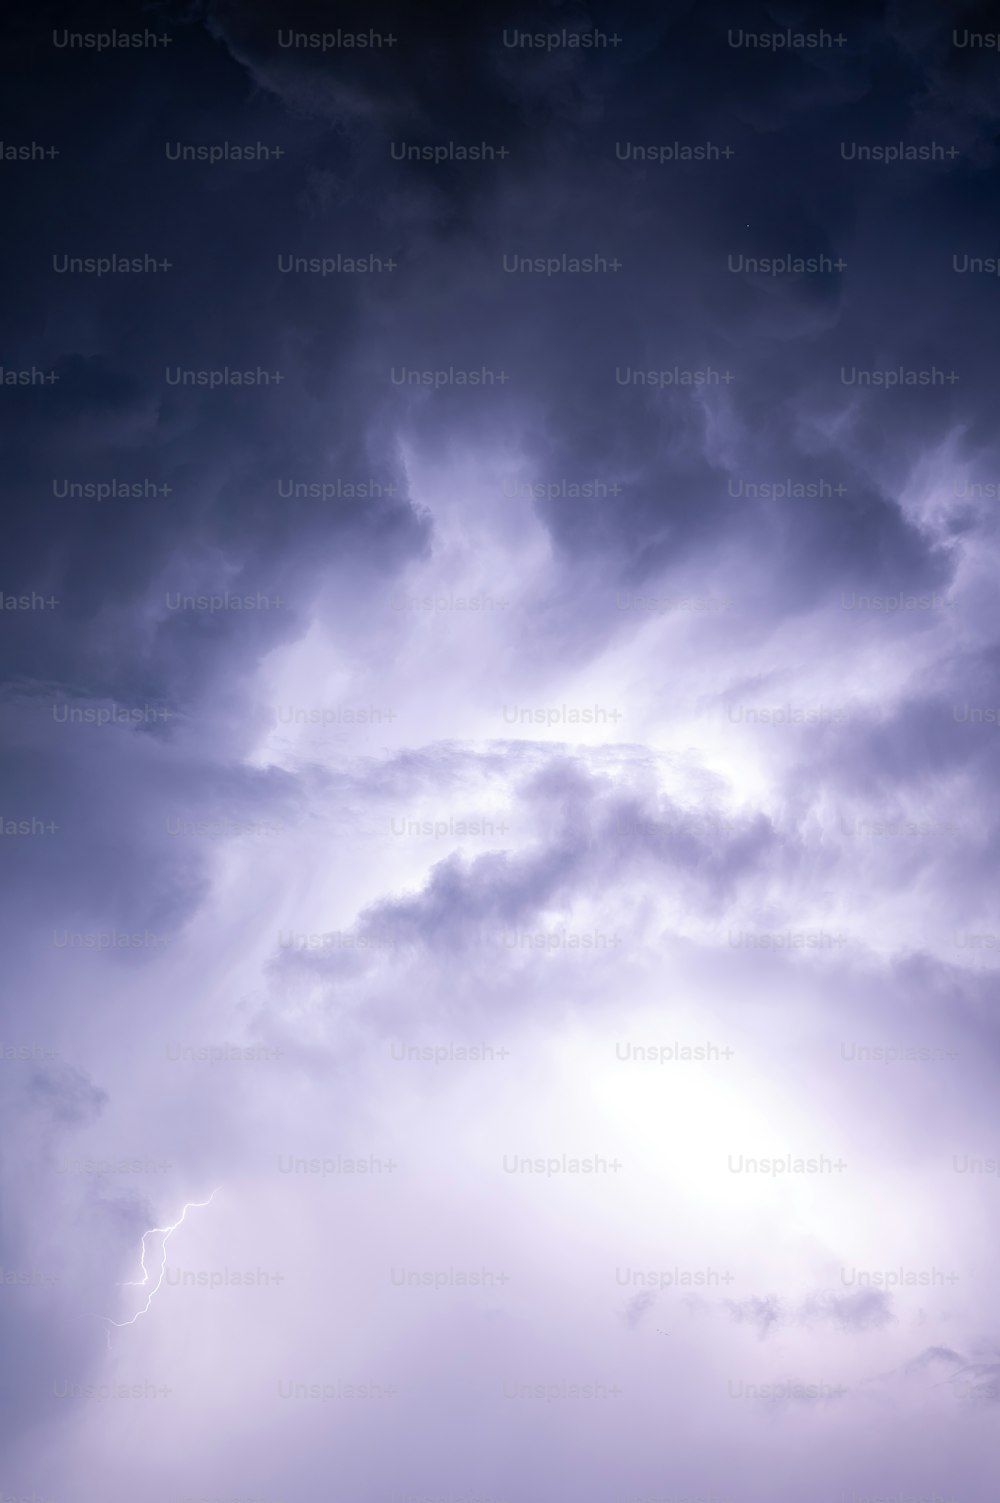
(500,713)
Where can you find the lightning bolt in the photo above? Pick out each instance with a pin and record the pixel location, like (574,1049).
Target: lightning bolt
(154,1231)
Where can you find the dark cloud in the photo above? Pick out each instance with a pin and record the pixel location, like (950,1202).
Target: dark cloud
(412,780)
